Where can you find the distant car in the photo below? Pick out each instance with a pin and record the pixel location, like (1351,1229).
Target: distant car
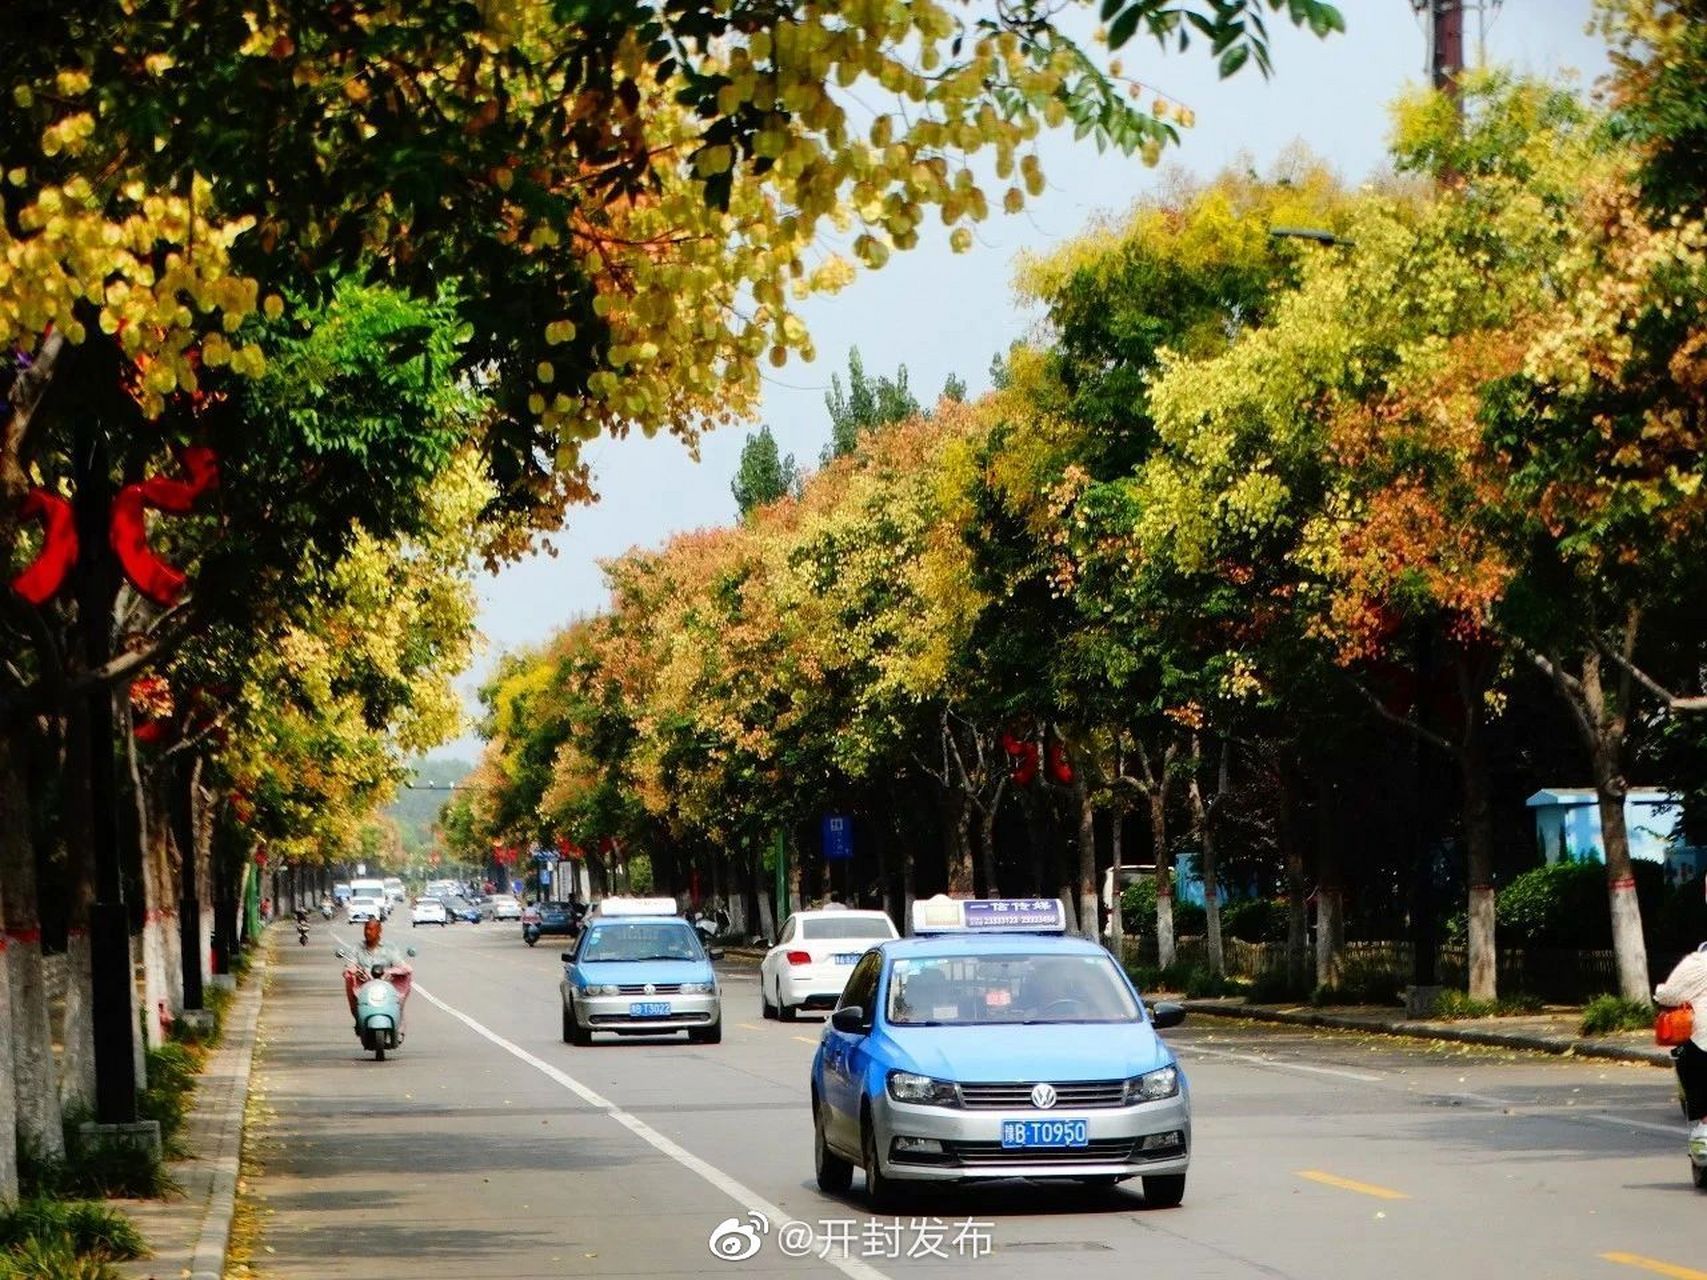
(505,907)
(429,911)
(558,917)
(340,892)
(813,956)
(463,910)
(365,909)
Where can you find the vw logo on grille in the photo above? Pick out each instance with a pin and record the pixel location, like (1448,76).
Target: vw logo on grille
(651,989)
(1043,1096)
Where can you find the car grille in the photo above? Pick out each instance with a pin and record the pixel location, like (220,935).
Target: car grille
(993,1155)
(658,989)
(1077,1095)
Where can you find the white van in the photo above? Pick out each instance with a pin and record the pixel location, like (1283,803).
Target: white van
(372,889)
(394,890)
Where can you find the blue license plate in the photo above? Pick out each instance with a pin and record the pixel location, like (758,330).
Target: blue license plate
(847,957)
(1045,1133)
(649,1009)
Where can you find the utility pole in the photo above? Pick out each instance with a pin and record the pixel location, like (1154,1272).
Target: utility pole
(1445,41)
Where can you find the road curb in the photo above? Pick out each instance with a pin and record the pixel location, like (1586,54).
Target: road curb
(1557,1045)
(226,1086)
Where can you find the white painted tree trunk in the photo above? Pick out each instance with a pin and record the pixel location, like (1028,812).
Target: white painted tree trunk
(1629,945)
(77,1063)
(8,1097)
(1330,935)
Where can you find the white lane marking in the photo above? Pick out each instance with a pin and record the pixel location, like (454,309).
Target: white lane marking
(743,1195)
(1361,1076)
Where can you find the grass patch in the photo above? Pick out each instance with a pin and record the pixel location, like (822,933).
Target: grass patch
(1195,981)
(1606,1014)
(1456,1006)
(93,1230)
(54,1258)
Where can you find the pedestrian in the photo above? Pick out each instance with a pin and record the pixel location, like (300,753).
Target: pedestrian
(1687,985)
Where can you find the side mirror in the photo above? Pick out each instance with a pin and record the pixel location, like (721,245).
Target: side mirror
(1165,1014)
(715,953)
(851,1019)
(567,957)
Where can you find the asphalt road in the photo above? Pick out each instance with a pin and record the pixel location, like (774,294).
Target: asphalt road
(486,1147)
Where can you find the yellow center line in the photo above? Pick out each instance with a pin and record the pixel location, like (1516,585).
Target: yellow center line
(746,1026)
(1656,1266)
(804,1040)
(1347,1184)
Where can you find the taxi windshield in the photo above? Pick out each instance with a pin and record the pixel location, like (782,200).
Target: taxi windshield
(640,940)
(1007,990)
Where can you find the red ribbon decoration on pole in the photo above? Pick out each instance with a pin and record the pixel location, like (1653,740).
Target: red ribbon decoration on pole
(128,532)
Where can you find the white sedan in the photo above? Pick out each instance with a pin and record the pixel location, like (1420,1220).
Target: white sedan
(505,907)
(363,909)
(810,963)
(429,911)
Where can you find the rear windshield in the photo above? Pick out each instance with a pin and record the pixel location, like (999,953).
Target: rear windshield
(845,927)
(651,940)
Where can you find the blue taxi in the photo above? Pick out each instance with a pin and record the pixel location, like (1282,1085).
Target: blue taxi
(992,1045)
(638,970)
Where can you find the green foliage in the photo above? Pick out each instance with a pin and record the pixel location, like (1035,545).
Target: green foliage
(101,1170)
(172,1071)
(1194,981)
(1360,984)
(866,404)
(92,1230)
(1564,905)
(1458,1005)
(1275,986)
(54,1258)
(1606,1014)
(764,475)
(1255,920)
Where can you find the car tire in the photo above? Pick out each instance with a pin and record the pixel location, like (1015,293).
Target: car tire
(1699,1173)
(880,1192)
(1164,1190)
(785,1012)
(835,1175)
(573,1032)
(711,1035)
(766,1009)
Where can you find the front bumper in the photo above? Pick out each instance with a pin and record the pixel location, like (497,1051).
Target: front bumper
(972,1148)
(611,1013)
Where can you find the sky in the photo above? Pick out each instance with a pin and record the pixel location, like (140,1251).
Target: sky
(938,312)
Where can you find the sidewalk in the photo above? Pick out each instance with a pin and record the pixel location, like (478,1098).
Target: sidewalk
(188,1234)
(1553,1031)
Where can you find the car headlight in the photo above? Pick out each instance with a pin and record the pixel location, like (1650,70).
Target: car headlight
(1153,1086)
(698,988)
(904,1086)
(596,989)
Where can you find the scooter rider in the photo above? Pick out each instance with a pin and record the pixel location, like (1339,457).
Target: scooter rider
(1687,985)
(374,950)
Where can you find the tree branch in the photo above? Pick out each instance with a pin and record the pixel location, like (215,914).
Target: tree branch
(1404,722)
(27,391)
(1570,688)
(1671,701)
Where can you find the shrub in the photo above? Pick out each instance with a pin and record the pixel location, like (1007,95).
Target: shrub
(92,1229)
(1274,986)
(1564,905)
(1360,984)
(1255,920)
(54,1258)
(1606,1014)
(92,1170)
(1192,980)
(1455,1005)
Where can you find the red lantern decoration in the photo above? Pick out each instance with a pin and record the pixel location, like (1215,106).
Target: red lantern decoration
(42,578)
(1060,767)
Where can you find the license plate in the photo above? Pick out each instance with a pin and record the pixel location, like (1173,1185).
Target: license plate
(649,1009)
(1045,1133)
(848,957)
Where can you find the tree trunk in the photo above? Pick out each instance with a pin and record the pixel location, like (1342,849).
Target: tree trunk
(30,1035)
(1087,842)
(957,811)
(1628,943)
(1116,921)
(77,1032)
(987,840)
(1292,855)
(1164,877)
(8,1085)
(1479,866)
(767,920)
(156,917)
(1204,814)
(1330,895)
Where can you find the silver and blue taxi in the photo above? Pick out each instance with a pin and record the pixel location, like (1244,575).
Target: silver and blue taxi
(639,969)
(992,1045)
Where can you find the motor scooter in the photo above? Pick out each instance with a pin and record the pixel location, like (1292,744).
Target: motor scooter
(302,933)
(379,1006)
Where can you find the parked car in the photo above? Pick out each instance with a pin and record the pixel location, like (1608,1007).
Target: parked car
(505,907)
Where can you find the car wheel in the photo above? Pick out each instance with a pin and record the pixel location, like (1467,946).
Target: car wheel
(835,1175)
(1699,1173)
(880,1191)
(784,1011)
(765,1006)
(1164,1190)
(573,1032)
(711,1035)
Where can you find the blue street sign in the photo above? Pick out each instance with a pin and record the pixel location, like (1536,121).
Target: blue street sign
(838,837)
(545,855)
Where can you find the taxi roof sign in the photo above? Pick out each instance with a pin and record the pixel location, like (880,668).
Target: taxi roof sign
(635,907)
(943,914)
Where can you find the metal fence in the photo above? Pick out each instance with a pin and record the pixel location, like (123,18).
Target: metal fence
(1553,975)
